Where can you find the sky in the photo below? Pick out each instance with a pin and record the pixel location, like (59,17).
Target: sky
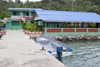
(26,0)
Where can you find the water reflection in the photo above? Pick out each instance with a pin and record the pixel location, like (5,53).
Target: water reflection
(85,54)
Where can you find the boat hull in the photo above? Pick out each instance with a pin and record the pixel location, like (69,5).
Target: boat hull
(64,54)
(53,46)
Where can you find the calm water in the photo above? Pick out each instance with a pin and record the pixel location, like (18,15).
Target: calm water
(85,54)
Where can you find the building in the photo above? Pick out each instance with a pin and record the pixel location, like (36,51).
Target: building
(17,16)
(55,22)
(68,22)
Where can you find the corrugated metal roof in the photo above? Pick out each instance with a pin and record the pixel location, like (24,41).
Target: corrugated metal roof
(68,16)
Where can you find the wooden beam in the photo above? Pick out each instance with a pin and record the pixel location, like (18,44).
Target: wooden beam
(24,20)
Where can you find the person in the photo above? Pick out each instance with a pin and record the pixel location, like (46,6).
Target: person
(89,26)
(57,24)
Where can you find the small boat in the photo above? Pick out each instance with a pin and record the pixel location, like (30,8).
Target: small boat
(53,46)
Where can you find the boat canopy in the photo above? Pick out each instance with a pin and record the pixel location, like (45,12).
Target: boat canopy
(67,16)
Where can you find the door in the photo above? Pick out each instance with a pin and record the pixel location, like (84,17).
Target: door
(21,14)
(16,25)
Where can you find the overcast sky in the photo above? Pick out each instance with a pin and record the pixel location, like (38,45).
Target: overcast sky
(26,0)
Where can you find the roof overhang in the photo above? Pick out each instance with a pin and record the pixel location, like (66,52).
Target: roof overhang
(38,18)
(67,16)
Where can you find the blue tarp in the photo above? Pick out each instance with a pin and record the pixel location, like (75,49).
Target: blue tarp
(68,16)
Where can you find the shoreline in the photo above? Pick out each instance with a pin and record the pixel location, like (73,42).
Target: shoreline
(71,38)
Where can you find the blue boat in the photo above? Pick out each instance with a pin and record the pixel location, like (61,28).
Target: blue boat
(53,46)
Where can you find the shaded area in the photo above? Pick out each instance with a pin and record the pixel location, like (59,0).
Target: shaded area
(1,35)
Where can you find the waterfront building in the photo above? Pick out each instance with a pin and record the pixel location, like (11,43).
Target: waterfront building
(18,16)
(54,22)
(68,22)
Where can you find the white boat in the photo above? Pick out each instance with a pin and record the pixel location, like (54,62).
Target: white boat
(52,45)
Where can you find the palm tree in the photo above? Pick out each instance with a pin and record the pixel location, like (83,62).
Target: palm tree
(21,5)
(27,1)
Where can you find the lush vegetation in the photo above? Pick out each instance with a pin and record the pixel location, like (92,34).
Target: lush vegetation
(31,27)
(64,5)
(0,26)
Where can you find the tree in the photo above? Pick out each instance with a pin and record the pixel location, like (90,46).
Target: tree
(63,5)
(28,1)
(6,0)
(21,5)
(34,6)
(45,1)
(17,1)
(94,8)
(30,26)
(4,15)
(0,5)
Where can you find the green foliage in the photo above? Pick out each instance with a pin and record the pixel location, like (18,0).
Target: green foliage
(69,25)
(30,26)
(21,5)
(24,25)
(63,5)
(4,15)
(1,24)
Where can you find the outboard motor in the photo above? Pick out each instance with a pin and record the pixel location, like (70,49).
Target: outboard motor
(59,52)
(70,50)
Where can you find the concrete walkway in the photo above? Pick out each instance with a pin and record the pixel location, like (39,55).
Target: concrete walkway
(18,50)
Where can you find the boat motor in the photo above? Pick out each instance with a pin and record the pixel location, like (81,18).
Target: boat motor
(59,52)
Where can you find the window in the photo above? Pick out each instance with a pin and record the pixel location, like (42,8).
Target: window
(27,13)
(14,13)
(47,24)
(40,23)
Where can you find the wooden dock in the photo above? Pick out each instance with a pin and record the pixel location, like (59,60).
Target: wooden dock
(18,50)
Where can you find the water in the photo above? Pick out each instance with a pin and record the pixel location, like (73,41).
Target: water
(85,54)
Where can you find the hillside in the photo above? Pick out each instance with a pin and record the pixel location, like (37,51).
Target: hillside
(64,5)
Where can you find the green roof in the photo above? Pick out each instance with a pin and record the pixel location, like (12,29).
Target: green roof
(23,9)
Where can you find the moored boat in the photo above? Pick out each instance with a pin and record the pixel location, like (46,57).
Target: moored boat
(53,46)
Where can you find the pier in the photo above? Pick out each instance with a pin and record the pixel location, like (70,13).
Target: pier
(18,50)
